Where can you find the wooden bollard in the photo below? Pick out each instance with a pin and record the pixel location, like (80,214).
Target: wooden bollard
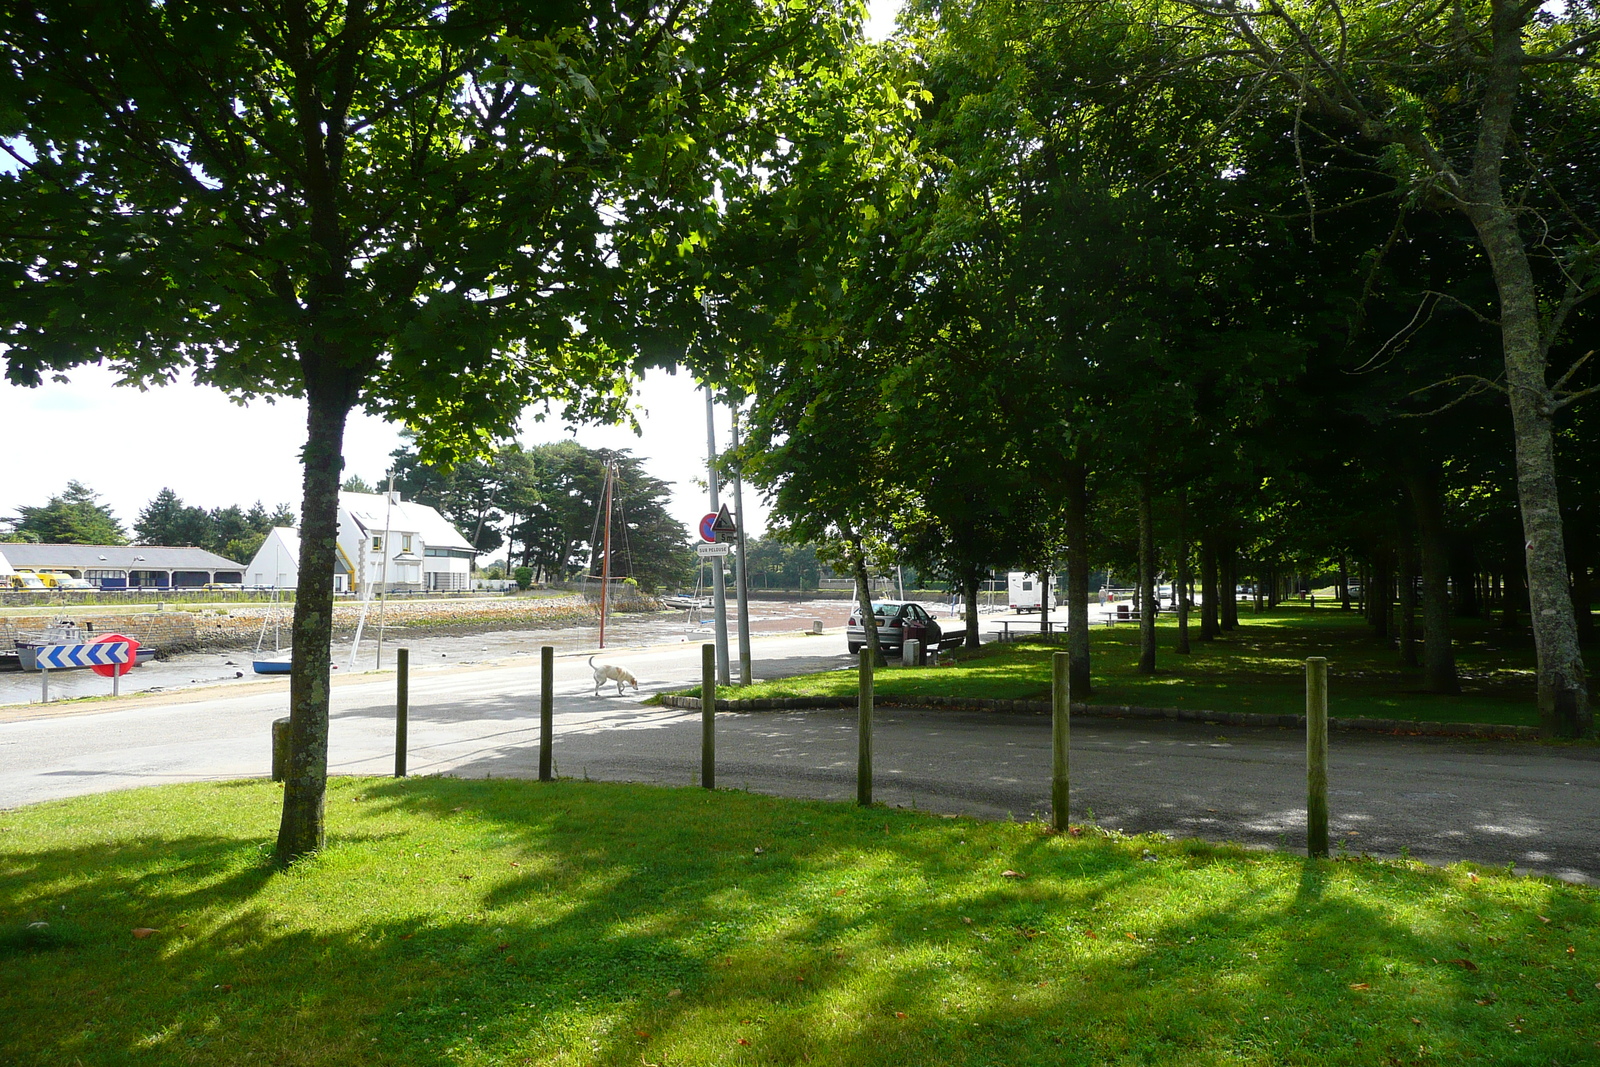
(1317,757)
(547,684)
(280,749)
(708,716)
(1060,737)
(864,731)
(402,707)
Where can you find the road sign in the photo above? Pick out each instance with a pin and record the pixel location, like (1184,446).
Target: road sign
(99,654)
(713,550)
(119,669)
(708,527)
(723,527)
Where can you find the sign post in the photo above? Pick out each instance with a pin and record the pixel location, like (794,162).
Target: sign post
(112,655)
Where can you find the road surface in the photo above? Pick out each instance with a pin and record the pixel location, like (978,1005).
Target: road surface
(1437,799)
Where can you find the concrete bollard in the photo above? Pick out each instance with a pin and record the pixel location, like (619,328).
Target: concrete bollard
(1317,757)
(816,626)
(280,749)
(1060,737)
(910,653)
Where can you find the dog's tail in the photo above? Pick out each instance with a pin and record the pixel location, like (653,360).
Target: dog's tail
(591,663)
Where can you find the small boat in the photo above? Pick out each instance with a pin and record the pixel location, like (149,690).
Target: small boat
(280,664)
(687,601)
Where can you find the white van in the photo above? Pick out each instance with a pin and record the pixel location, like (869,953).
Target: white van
(1026,594)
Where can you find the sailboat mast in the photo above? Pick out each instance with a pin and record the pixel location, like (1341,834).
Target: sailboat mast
(605,563)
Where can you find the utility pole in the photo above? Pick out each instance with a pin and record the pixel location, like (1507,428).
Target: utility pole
(719,594)
(742,575)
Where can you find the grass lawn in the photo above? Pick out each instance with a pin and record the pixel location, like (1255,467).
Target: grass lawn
(502,922)
(1258,667)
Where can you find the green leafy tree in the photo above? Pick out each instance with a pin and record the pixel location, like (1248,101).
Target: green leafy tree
(72,517)
(427,210)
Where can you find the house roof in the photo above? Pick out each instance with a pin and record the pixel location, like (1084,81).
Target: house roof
(371,511)
(116,558)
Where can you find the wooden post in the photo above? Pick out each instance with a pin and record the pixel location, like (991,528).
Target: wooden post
(547,680)
(1317,757)
(1060,737)
(44,684)
(402,706)
(280,749)
(708,716)
(864,732)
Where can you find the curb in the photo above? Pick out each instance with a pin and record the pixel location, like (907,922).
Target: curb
(1127,711)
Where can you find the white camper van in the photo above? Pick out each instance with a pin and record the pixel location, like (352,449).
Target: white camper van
(1025,593)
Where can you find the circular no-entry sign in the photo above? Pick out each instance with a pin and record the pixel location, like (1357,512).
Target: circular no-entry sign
(706,524)
(110,669)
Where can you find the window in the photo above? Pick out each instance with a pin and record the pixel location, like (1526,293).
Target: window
(377,544)
(405,542)
(1027,587)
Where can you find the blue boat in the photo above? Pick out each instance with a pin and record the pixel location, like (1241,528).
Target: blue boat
(275,665)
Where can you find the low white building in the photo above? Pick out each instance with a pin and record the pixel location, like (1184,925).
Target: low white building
(383,544)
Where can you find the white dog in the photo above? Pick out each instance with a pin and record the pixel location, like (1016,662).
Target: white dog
(610,672)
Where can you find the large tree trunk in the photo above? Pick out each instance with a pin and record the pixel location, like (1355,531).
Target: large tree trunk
(1208,585)
(302,829)
(1439,658)
(1044,604)
(1344,583)
(1147,581)
(1180,585)
(1077,531)
(1563,684)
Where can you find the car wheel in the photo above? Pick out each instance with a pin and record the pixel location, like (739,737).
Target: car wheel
(853,647)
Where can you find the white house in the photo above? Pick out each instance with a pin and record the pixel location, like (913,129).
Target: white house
(383,543)
(386,542)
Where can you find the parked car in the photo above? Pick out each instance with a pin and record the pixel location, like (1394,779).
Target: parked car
(893,616)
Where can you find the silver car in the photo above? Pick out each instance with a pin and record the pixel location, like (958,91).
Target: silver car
(893,616)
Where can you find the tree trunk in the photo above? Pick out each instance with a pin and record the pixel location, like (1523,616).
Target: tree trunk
(1180,585)
(1344,583)
(1227,596)
(1208,585)
(1563,684)
(1380,596)
(971,586)
(1463,579)
(1044,603)
(302,829)
(1407,573)
(1439,658)
(1077,531)
(1582,590)
(1147,581)
(858,566)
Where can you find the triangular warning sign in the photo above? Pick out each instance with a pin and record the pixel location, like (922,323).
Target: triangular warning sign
(724,523)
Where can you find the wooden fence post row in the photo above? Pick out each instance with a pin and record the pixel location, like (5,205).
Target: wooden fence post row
(547,678)
(864,730)
(402,703)
(1060,737)
(708,716)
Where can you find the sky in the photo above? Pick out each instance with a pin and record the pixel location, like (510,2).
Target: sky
(128,445)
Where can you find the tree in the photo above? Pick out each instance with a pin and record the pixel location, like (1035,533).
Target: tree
(356,484)
(430,210)
(72,517)
(1478,110)
(166,520)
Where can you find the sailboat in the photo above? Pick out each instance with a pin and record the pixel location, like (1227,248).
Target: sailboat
(281,660)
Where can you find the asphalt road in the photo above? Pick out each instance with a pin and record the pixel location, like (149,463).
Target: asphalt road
(1440,800)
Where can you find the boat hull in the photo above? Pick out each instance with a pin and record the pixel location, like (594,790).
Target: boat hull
(273,666)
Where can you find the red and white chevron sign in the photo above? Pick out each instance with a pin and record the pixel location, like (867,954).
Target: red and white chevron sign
(99,654)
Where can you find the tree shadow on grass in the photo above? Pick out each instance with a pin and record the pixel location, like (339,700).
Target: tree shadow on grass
(495,922)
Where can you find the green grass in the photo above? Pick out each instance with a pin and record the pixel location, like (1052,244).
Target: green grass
(1260,667)
(491,922)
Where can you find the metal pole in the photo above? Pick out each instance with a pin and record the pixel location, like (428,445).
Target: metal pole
(402,705)
(864,730)
(383,579)
(44,684)
(1060,737)
(708,715)
(547,679)
(742,575)
(719,593)
(1317,757)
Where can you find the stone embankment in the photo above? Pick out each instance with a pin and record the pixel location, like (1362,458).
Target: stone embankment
(231,627)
